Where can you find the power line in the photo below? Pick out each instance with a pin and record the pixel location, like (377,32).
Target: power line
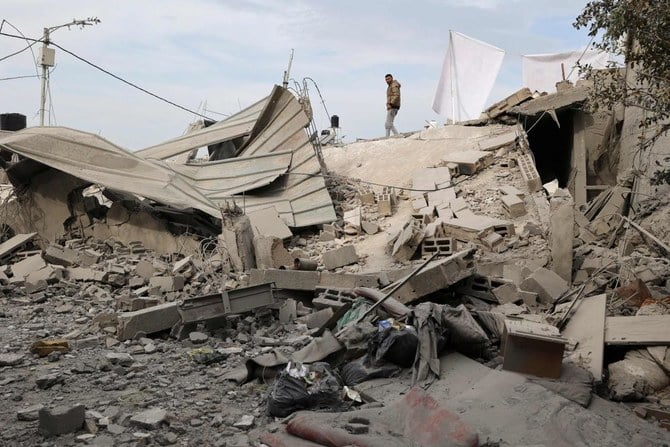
(19,77)
(118,78)
(109,73)
(17,52)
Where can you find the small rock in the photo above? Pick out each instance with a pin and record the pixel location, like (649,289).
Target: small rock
(84,438)
(245,423)
(198,337)
(150,348)
(115,429)
(61,420)
(150,419)
(11,359)
(120,358)
(29,413)
(167,439)
(49,380)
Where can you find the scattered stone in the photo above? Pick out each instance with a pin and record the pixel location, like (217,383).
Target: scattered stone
(49,380)
(61,420)
(198,338)
(150,419)
(11,359)
(30,413)
(119,358)
(245,423)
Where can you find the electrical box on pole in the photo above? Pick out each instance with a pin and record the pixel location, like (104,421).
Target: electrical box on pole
(47,57)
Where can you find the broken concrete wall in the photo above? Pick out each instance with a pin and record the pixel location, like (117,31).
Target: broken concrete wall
(45,207)
(643,161)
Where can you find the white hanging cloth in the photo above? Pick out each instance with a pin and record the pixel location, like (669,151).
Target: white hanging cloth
(541,72)
(468,74)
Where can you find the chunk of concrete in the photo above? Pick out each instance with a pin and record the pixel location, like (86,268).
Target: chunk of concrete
(266,222)
(562,221)
(147,321)
(167,283)
(61,420)
(513,205)
(270,252)
(547,284)
(340,257)
(28,265)
(64,256)
(150,419)
(145,269)
(507,293)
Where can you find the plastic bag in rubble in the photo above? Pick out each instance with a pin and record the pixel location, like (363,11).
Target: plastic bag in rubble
(304,387)
(464,333)
(394,342)
(359,371)
(357,310)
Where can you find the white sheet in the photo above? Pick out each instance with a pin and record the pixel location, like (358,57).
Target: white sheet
(541,72)
(469,71)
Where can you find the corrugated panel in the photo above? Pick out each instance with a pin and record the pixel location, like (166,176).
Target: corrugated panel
(232,127)
(94,159)
(303,188)
(224,178)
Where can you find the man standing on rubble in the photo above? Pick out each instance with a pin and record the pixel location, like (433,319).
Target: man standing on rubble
(392,103)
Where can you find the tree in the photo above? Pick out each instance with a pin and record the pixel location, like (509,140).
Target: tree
(638,30)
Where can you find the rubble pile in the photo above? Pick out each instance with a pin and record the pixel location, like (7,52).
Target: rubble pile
(454,299)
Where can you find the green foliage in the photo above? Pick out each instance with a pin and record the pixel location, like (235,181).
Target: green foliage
(638,30)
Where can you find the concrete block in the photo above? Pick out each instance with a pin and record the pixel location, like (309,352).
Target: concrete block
(492,241)
(353,217)
(28,265)
(145,269)
(366,197)
(408,241)
(88,257)
(288,311)
(469,162)
(61,420)
(547,284)
(436,276)
(167,283)
(459,204)
(513,205)
(326,236)
(347,280)
(266,222)
(419,203)
(507,293)
(562,224)
(58,255)
(445,245)
(516,273)
(441,197)
(454,170)
(340,257)
(85,274)
(270,252)
(285,279)
(510,190)
(46,274)
(384,205)
(318,318)
(147,321)
(529,171)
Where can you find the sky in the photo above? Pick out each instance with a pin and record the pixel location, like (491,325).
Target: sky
(218,56)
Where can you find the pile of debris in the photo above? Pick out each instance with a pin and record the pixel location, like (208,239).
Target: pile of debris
(453,285)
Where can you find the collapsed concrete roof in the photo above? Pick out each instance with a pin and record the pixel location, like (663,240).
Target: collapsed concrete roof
(553,101)
(277,165)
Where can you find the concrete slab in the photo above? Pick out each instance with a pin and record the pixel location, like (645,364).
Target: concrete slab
(340,257)
(147,321)
(266,222)
(587,327)
(26,266)
(547,284)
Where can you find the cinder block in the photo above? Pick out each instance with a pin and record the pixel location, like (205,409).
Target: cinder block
(340,257)
(446,246)
(147,321)
(492,241)
(347,280)
(85,274)
(510,190)
(507,293)
(529,171)
(547,284)
(384,205)
(366,197)
(419,203)
(513,205)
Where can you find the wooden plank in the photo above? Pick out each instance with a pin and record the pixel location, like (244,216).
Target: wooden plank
(15,243)
(587,327)
(642,330)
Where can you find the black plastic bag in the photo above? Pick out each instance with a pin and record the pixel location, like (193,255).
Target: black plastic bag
(393,345)
(289,394)
(359,371)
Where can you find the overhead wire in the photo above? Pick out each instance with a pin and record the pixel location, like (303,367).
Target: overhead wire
(109,73)
(22,36)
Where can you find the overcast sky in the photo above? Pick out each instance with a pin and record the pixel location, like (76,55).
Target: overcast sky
(228,54)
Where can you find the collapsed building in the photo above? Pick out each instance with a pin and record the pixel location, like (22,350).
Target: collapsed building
(512,267)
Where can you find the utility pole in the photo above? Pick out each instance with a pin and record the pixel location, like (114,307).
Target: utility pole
(287,72)
(47,57)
